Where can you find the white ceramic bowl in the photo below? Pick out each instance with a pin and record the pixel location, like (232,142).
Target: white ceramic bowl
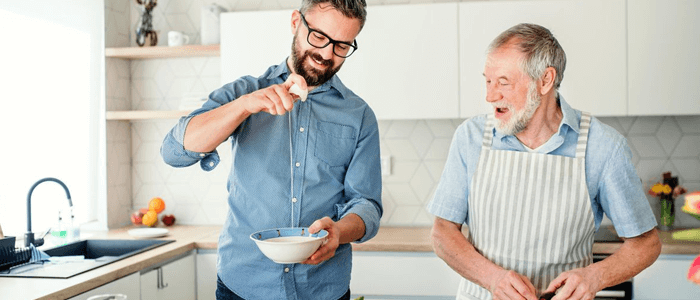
(288,245)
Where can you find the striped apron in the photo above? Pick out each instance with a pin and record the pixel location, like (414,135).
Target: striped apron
(530,212)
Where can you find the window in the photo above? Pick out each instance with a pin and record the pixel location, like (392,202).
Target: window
(51,90)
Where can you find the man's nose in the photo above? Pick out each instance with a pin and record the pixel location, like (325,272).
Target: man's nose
(327,52)
(492,95)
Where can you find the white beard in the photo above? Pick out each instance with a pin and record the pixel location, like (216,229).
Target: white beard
(519,119)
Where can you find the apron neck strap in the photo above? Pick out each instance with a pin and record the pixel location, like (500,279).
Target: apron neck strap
(488,131)
(583,134)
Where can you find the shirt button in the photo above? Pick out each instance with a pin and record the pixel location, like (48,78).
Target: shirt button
(202,155)
(294,200)
(301,129)
(286,270)
(298,164)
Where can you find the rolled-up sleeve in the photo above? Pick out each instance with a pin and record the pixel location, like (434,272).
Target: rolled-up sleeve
(174,153)
(173,150)
(363,180)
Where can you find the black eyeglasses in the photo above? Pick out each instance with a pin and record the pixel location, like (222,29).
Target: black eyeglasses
(321,40)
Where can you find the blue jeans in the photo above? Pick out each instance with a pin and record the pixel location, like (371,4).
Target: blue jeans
(224,293)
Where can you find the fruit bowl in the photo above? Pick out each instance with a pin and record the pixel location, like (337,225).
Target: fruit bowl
(288,245)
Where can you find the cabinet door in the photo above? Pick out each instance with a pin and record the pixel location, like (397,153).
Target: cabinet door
(252,41)
(174,280)
(402,275)
(406,67)
(592,34)
(206,275)
(666,279)
(128,286)
(664,65)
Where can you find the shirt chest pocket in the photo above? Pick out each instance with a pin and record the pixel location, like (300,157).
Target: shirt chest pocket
(335,143)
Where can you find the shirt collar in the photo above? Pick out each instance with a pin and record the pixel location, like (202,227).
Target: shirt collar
(570,119)
(282,71)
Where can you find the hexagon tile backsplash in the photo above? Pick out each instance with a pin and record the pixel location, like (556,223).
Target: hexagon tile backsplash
(418,148)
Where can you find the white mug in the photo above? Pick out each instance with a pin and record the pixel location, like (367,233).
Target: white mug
(176,38)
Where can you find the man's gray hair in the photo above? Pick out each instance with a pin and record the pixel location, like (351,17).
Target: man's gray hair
(540,47)
(350,8)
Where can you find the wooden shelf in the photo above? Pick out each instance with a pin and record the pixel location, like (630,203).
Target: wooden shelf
(163,51)
(129,115)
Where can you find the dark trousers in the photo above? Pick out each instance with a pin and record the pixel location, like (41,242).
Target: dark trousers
(224,293)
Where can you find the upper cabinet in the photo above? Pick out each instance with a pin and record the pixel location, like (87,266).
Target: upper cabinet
(425,61)
(405,66)
(252,41)
(592,34)
(406,63)
(664,65)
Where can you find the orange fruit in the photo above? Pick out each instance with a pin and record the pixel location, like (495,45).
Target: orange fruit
(156,204)
(150,219)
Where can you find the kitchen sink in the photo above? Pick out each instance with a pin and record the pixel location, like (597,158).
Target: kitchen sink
(82,256)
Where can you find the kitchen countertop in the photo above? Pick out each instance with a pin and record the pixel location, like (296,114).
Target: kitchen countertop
(188,238)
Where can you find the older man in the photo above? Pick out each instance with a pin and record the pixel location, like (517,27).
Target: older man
(532,181)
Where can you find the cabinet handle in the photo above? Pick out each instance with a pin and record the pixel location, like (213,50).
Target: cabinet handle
(160,284)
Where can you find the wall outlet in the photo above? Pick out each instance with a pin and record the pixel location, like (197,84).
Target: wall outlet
(386,165)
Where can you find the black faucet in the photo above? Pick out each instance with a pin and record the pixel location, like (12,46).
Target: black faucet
(29,236)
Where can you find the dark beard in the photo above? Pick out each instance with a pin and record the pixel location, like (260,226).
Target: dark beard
(313,76)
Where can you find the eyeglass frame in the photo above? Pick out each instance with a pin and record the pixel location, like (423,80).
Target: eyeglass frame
(330,40)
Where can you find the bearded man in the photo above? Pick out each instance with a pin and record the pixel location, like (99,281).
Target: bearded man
(334,160)
(532,182)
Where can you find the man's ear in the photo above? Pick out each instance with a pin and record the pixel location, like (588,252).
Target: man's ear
(296,21)
(547,80)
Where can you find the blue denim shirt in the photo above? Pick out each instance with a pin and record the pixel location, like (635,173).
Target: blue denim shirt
(336,172)
(613,184)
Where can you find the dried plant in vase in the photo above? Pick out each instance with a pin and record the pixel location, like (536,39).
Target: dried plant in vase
(144,30)
(667,190)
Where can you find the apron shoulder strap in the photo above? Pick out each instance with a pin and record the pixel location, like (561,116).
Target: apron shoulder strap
(488,131)
(583,134)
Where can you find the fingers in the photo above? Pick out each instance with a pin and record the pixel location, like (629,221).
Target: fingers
(325,252)
(323,223)
(514,286)
(279,100)
(276,99)
(295,79)
(531,291)
(556,283)
(327,249)
(572,285)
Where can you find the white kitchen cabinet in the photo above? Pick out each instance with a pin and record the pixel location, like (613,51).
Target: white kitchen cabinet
(592,34)
(666,280)
(664,65)
(402,275)
(172,280)
(252,41)
(405,68)
(128,285)
(206,274)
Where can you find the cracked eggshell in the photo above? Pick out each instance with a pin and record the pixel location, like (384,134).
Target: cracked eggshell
(295,89)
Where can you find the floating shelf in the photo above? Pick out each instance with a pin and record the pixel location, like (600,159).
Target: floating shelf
(128,115)
(163,51)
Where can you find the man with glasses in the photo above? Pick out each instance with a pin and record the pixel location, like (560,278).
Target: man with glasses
(335,162)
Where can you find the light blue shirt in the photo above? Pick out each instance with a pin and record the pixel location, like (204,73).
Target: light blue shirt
(613,184)
(336,172)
